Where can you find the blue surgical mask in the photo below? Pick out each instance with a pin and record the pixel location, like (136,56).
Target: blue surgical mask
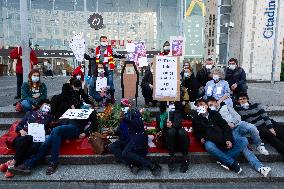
(35,79)
(216,77)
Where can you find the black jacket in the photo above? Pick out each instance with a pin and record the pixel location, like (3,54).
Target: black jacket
(237,76)
(203,76)
(192,87)
(147,79)
(214,129)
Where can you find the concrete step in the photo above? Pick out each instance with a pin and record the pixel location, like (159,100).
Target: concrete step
(194,157)
(117,173)
(5,123)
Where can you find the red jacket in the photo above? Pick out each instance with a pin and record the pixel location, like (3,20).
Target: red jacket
(78,71)
(16,53)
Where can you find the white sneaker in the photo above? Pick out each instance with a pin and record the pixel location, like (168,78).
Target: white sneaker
(264,171)
(261,148)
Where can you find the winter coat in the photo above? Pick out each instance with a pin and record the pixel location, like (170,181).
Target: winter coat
(27,93)
(237,76)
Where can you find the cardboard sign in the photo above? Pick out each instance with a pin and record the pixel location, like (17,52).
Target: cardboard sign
(142,61)
(77,114)
(130,80)
(166,78)
(37,131)
(101,83)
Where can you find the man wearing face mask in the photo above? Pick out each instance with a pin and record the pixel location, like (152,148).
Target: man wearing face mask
(105,55)
(216,135)
(236,77)
(242,128)
(147,86)
(203,75)
(269,130)
(166,49)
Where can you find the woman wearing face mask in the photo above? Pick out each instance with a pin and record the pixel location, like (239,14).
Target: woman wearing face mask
(33,91)
(189,88)
(236,77)
(78,73)
(166,49)
(24,144)
(218,88)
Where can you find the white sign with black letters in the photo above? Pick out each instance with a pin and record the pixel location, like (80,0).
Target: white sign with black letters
(37,131)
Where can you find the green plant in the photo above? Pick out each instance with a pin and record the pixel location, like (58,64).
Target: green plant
(146,115)
(151,131)
(110,118)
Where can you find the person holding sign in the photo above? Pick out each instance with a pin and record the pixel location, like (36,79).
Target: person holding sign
(218,88)
(166,49)
(27,142)
(174,136)
(33,91)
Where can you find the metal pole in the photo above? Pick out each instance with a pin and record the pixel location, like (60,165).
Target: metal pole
(275,48)
(25,38)
(97,7)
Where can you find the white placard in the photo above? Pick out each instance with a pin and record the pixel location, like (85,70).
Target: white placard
(101,83)
(37,131)
(166,77)
(219,90)
(142,62)
(77,114)
(78,46)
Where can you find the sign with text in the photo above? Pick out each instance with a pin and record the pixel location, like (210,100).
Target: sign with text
(101,83)
(37,131)
(166,78)
(77,114)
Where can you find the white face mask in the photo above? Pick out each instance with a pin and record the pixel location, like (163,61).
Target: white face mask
(216,77)
(209,66)
(186,75)
(201,110)
(232,66)
(35,79)
(78,77)
(213,108)
(167,48)
(171,107)
(104,44)
(45,108)
(125,110)
(245,105)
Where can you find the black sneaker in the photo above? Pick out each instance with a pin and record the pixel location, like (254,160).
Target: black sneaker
(134,169)
(171,165)
(184,166)
(223,166)
(20,170)
(155,169)
(51,168)
(236,168)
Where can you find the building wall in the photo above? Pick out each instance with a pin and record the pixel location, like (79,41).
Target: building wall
(248,43)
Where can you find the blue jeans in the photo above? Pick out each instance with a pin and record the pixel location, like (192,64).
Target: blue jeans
(54,141)
(244,128)
(110,80)
(92,86)
(126,153)
(27,105)
(249,155)
(227,157)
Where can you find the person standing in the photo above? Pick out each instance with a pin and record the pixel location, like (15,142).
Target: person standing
(16,53)
(105,54)
(166,49)
(203,75)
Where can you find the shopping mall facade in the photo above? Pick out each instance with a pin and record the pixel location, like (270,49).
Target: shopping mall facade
(252,31)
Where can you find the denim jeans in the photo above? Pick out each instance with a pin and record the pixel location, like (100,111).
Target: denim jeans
(27,105)
(245,128)
(54,141)
(92,86)
(110,80)
(126,153)
(227,157)
(249,155)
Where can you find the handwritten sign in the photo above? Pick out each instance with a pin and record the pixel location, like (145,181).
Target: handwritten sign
(101,83)
(77,114)
(37,131)
(166,78)
(78,46)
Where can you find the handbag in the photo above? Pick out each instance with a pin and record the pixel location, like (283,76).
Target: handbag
(99,142)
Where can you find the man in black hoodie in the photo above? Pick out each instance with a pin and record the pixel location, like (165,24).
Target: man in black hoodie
(214,132)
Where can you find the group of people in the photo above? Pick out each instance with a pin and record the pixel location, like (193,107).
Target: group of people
(215,100)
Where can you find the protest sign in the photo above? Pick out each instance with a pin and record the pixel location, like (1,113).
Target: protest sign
(101,83)
(177,46)
(166,78)
(77,114)
(78,46)
(37,131)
